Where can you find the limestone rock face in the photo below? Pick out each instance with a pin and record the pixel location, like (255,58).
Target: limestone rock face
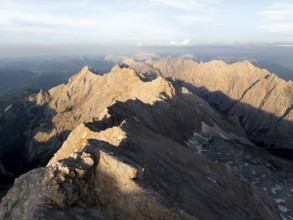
(260,100)
(147,176)
(131,148)
(46,119)
(85,96)
(36,194)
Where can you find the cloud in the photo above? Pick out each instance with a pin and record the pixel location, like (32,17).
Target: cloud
(190,5)
(83,19)
(184,4)
(278,12)
(282,27)
(186,42)
(191,12)
(172,43)
(277,18)
(190,19)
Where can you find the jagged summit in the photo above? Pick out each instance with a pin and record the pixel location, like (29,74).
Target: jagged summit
(128,145)
(85,69)
(76,101)
(260,100)
(129,151)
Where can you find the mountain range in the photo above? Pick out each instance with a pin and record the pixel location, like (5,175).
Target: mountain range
(154,138)
(254,98)
(20,74)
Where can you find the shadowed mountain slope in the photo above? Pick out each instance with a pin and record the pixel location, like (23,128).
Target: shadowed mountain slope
(260,101)
(121,167)
(131,149)
(48,117)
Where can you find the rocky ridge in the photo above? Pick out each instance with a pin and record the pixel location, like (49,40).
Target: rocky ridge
(87,95)
(110,170)
(255,98)
(133,150)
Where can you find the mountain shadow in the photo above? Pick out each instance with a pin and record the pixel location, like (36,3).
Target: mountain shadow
(17,124)
(147,161)
(265,129)
(143,123)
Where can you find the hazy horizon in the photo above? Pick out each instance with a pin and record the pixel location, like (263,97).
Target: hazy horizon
(34,28)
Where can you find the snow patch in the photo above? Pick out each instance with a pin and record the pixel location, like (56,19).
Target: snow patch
(197,141)
(280,201)
(275,189)
(283,208)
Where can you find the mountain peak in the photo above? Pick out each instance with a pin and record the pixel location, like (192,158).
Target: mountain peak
(134,142)
(87,69)
(124,71)
(85,74)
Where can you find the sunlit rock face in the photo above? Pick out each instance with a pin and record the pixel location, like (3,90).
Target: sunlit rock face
(143,175)
(85,96)
(128,145)
(260,101)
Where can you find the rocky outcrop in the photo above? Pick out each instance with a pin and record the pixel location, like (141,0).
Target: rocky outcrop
(131,149)
(87,95)
(259,100)
(36,194)
(46,119)
(145,176)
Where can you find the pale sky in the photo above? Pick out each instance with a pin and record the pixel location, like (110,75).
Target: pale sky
(144,22)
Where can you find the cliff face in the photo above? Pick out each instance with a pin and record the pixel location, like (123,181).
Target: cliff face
(259,100)
(16,121)
(110,170)
(87,95)
(131,149)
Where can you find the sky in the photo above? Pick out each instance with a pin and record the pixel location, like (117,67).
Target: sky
(52,23)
